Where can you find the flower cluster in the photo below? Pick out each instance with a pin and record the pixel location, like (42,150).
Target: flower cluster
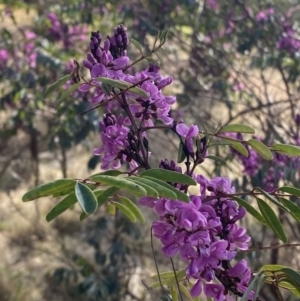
(121,140)
(205,235)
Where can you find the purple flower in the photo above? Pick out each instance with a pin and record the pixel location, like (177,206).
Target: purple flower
(188,133)
(215,291)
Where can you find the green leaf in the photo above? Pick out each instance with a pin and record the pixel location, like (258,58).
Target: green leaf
(174,294)
(113,173)
(289,150)
(185,291)
(137,45)
(270,198)
(170,275)
(126,211)
(83,216)
(163,35)
(122,85)
(169,191)
(272,220)
(150,190)
(133,208)
(62,206)
(49,189)
(153,61)
(56,85)
(86,198)
(122,183)
(291,190)
(217,159)
(159,57)
(250,209)
(255,285)
(239,147)
(66,93)
(181,155)
(289,286)
(106,194)
(161,190)
(237,128)
(111,209)
(292,275)
(261,149)
(293,209)
(169,176)
(163,282)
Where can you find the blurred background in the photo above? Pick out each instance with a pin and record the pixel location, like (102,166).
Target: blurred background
(231,61)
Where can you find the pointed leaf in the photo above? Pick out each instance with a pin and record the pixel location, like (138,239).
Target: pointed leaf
(292,208)
(239,147)
(286,284)
(261,149)
(56,85)
(185,291)
(113,173)
(161,190)
(122,183)
(86,198)
(181,155)
(62,206)
(169,191)
(106,194)
(150,190)
(289,150)
(169,176)
(67,93)
(170,275)
(237,128)
(270,198)
(291,190)
(133,208)
(137,45)
(126,211)
(293,276)
(163,282)
(174,294)
(217,159)
(49,189)
(250,209)
(272,220)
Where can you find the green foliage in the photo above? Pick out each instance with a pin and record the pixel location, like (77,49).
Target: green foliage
(86,198)
(61,187)
(237,128)
(289,150)
(56,85)
(271,219)
(261,148)
(169,176)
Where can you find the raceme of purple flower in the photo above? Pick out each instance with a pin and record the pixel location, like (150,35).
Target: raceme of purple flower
(205,235)
(108,58)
